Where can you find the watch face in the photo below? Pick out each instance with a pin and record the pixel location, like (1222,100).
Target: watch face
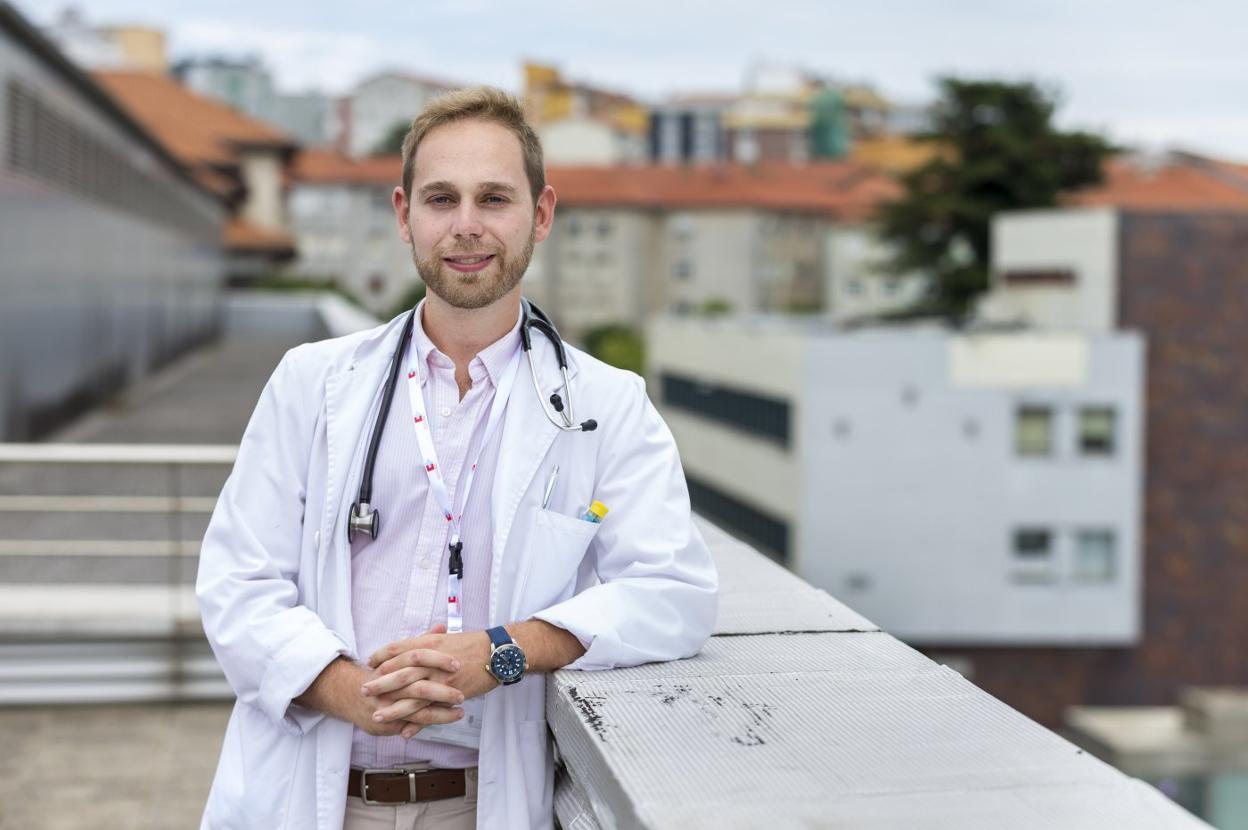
(507,663)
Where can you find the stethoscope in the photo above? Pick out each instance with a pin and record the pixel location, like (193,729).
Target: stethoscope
(362,517)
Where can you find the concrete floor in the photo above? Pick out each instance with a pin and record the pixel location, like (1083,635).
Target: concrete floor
(117,767)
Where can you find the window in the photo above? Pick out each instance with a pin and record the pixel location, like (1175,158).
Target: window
(574,227)
(1033,433)
(682,269)
(853,287)
(682,227)
(604,227)
(767,533)
(1038,276)
(1033,555)
(1096,430)
(1095,556)
(755,414)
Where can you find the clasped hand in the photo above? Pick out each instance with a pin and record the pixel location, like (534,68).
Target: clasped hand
(423,680)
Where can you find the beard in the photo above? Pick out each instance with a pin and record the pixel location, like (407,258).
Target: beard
(479,289)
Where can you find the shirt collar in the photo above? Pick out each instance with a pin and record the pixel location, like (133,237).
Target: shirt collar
(492,360)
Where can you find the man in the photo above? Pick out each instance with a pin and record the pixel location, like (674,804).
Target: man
(339,651)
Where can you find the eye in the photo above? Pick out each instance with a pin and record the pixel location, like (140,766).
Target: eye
(440,199)
(495,199)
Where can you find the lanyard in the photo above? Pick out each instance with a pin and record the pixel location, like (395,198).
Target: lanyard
(437,484)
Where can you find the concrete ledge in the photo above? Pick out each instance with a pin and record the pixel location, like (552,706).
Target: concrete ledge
(800,713)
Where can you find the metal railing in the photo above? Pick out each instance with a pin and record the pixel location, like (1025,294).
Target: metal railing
(99,546)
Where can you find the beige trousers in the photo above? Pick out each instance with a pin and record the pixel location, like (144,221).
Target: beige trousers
(443,814)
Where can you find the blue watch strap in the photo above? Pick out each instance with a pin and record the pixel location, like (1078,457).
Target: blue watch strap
(499,636)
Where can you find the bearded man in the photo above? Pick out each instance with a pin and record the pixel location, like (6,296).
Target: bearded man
(389,652)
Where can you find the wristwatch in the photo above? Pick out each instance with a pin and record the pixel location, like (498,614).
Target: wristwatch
(507,660)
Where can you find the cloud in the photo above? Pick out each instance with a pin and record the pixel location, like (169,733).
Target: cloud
(301,58)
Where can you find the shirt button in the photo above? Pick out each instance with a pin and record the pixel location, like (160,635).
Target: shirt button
(426,563)
(446,412)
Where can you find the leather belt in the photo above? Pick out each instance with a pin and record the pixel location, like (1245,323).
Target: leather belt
(403,786)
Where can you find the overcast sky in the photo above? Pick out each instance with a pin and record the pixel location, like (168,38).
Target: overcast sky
(1147,73)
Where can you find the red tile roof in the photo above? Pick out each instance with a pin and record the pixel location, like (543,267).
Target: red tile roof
(845,191)
(240,236)
(197,130)
(1174,186)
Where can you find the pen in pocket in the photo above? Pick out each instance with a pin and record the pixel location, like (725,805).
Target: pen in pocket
(550,486)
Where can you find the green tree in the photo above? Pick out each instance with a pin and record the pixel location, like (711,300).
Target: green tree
(1002,152)
(392,143)
(620,346)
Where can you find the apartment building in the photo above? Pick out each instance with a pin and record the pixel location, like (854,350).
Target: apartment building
(1158,249)
(628,242)
(377,104)
(959,489)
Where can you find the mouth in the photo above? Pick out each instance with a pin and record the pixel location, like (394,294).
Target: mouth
(468,264)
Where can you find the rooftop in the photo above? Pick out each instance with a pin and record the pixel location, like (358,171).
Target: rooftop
(199,131)
(841,190)
(1170,185)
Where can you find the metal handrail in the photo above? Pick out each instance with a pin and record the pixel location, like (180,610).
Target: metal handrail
(138,641)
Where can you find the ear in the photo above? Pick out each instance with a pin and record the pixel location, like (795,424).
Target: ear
(544,214)
(402,212)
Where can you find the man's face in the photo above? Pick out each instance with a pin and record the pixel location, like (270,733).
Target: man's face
(471,221)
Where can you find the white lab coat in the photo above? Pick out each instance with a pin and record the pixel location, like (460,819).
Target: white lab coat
(274,581)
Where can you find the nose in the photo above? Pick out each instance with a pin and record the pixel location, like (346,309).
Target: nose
(466,224)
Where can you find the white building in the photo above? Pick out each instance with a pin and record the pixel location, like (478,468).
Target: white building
(856,285)
(584,140)
(974,489)
(344,228)
(379,103)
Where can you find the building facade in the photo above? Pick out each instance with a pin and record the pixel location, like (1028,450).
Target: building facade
(956,489)
(112,257)
(380,103)
(1158,263)
(311,118)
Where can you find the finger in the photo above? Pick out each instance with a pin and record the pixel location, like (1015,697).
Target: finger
(403,692)
(424,692)
(391,649)
(427,657)
(396,680)
(430,715)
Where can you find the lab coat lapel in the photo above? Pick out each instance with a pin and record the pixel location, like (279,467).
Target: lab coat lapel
(527,437)
(352,399)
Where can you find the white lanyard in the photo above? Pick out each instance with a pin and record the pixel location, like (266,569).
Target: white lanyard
(437,484)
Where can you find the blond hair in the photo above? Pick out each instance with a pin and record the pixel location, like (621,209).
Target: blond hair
(487,104)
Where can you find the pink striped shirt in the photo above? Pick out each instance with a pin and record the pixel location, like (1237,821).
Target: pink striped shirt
(398,581)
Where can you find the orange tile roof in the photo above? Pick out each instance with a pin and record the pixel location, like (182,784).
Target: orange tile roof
(1175,186)
(242,236)
(197,130)
(845,191)
(842,190)
(328,167)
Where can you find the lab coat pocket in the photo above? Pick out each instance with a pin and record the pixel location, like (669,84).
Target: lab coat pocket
(552,554)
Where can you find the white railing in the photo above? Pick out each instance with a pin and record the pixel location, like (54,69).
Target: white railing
(96,580)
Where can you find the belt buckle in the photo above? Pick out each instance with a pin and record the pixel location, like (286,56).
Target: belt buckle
(410,769)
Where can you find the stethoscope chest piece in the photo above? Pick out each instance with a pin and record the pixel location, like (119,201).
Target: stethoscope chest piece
(362,519)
